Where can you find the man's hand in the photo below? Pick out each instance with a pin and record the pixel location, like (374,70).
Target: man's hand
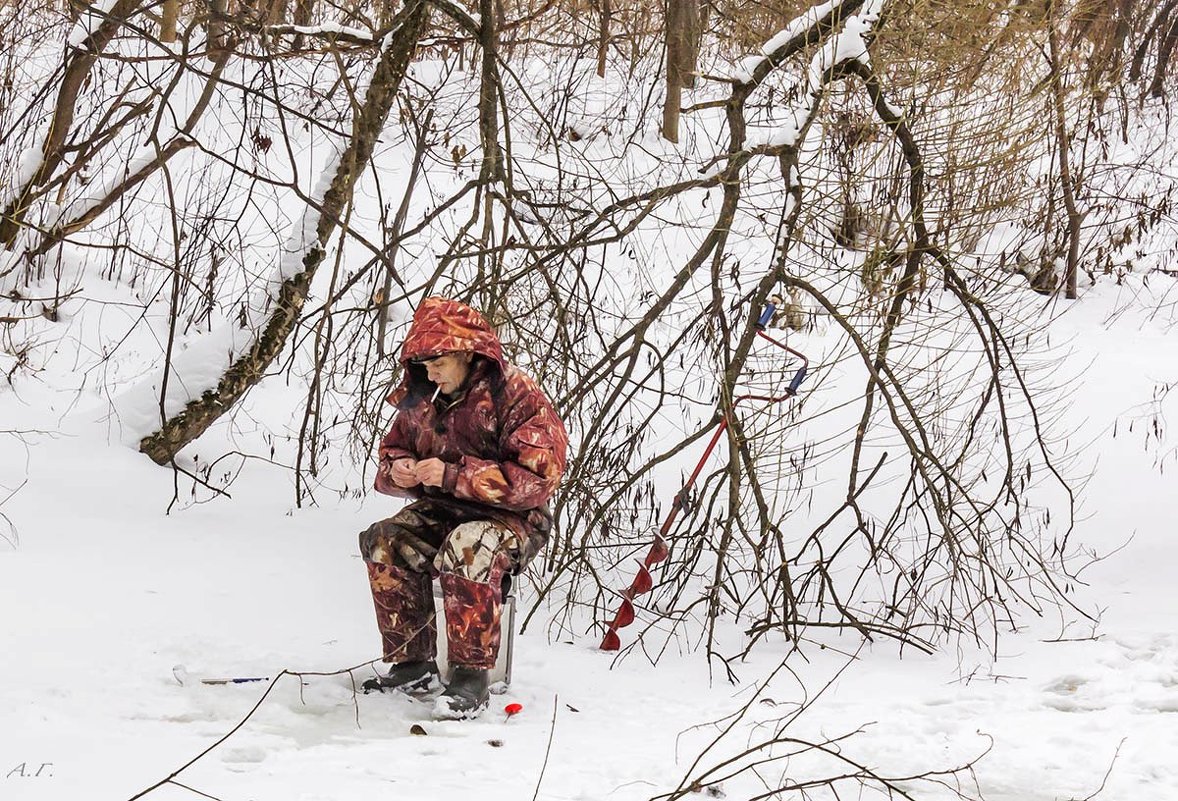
(431,472)
(403,473)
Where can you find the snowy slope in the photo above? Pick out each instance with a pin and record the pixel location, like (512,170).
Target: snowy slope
(103,593)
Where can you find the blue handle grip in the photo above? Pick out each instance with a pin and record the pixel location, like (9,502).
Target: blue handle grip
(766,314)
(799,377)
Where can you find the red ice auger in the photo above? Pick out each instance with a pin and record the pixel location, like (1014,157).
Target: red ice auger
(659,551)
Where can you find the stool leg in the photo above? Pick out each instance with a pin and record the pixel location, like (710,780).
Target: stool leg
(507,620)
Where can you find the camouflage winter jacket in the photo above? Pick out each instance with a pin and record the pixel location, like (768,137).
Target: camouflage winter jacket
(502,442)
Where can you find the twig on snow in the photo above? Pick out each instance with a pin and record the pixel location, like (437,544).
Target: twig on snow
(1107,773)
(548,750)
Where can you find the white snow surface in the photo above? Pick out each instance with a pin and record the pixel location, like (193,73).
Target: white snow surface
(197,365)
(99,189)
(103,594)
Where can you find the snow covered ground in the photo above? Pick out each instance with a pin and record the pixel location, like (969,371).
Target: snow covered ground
(102,594)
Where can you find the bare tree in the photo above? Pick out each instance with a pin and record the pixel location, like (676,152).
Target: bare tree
(825,168)
(178,430)
(681,41)
(169,17)
(78,60)
(1063,144)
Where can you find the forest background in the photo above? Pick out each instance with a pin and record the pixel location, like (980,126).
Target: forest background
(216,219)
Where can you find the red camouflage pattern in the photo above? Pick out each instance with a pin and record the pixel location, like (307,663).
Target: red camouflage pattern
(441,325)
(504,445)
(472,616)
(405,614)
(402,588)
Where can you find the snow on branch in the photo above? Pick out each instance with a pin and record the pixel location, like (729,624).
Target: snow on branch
(807,29)
(88,21)
(328,30)
(847,45)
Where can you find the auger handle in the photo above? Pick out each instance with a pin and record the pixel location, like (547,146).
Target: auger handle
(799,377)
(771,309)
(767,313)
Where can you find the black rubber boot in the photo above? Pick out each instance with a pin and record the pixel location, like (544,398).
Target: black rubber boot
(466,694)
(407,677)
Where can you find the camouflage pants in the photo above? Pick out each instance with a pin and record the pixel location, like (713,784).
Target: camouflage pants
(473,558)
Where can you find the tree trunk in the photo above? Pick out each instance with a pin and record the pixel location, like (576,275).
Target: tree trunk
(387,11)
(604,14)
(1165,52)
(689,53)
(1141,50)
(1063,145)
(79,62)
(676,41)
(276,13)
(304,12)
(217,39)
(488,93)
(249,367)
(168,18)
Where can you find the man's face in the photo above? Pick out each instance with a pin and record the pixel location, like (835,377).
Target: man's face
(449,370)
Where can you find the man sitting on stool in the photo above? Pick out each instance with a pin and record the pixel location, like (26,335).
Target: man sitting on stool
(479,447)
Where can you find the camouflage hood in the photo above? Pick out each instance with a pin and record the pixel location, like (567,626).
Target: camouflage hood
(441,325)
